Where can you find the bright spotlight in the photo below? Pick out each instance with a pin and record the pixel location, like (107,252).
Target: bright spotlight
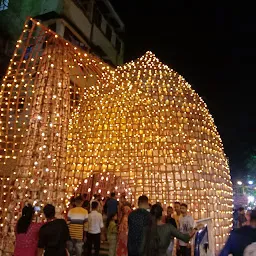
(239,182)
(250,182)
(251,199)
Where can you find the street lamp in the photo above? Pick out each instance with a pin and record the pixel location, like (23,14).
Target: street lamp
(250,182)
(239,183)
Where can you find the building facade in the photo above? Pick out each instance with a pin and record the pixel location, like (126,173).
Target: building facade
(90,24)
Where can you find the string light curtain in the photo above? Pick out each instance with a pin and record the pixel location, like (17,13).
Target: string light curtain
(45,82)
(66,116)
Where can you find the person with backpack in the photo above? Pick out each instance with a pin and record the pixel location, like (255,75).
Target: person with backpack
(240,240)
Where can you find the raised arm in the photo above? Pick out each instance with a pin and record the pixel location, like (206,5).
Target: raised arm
(174,232)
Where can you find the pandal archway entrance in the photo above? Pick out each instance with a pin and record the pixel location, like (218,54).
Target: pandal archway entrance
(66,115)
(104,185)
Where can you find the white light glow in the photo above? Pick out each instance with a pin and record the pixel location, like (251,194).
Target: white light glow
(251,199)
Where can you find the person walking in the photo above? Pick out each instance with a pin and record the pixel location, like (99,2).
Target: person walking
(187,224)
(53,235)
(122,238)
(86,202)
(93,199)
(241,217)
(27,233)
(137,221)
(240,240)
(170,220)
(77,217)
(95,225)
(112,234)
(121,203)
(112,205)
(177,215)
(100,207)
(157,235)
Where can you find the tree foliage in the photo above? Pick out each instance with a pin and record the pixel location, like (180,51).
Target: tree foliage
(251,163)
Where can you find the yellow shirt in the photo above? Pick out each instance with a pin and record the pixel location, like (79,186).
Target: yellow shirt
(77,218)
(177,219)
(112,228)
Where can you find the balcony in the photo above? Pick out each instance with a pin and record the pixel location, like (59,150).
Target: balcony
(100,25)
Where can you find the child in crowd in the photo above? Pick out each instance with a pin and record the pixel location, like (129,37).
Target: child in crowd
(112,234)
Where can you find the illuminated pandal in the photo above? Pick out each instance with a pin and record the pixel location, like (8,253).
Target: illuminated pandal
(66,115)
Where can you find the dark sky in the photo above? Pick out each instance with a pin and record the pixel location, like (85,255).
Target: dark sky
(212,45)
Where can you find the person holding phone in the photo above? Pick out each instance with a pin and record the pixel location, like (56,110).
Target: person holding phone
(27,233)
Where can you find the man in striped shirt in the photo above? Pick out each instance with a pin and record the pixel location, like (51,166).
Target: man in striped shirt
(77,218)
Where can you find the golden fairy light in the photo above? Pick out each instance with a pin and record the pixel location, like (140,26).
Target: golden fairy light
(66,115)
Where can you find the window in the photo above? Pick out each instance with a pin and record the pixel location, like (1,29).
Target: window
(4,5)
(97,18)
(118,45)
(108,32)
(52,26)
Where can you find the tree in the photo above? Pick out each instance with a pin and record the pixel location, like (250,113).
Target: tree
(251,164)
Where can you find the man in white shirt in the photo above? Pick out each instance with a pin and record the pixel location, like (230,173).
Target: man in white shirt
(95,224)
(186,226)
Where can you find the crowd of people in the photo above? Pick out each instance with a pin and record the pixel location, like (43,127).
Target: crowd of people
(145,231)
(242,239)
(241,217)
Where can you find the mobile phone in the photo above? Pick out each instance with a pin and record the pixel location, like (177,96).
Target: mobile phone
(37,208)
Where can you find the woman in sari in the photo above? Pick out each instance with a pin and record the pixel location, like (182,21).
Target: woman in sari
(121,248)
(121,204)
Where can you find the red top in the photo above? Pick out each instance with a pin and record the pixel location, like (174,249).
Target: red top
(26,243)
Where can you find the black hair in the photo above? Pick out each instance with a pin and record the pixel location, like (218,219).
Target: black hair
(113,194)
(85,195)
(111,216)
(72,201)
(184,205)
(143,200)
(26,219)
(79,199)
(153,239)
(105,207)
(86,204)
(241,209)
(49,211)
(94,205)
(177,203)
(169,207)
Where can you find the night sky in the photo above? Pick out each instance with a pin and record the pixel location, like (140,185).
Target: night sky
(214,48)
